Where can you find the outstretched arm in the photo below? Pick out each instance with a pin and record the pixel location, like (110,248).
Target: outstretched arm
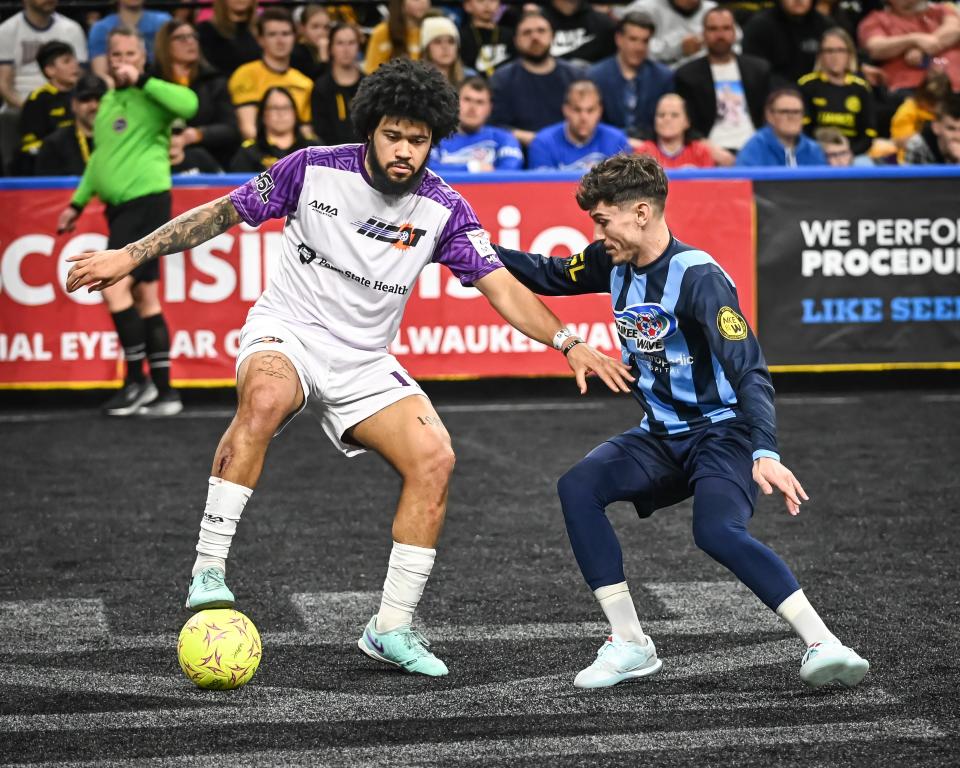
(525,312)
(100,269)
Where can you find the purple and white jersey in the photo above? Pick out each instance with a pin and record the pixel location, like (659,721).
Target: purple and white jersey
(350,255)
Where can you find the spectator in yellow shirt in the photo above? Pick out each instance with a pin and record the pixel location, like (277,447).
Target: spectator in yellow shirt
(398,36)
(917,111)
(276,35)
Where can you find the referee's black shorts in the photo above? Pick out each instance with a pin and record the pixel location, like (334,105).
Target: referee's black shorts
(130,221)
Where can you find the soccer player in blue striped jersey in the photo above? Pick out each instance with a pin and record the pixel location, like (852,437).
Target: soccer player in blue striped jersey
(708,428)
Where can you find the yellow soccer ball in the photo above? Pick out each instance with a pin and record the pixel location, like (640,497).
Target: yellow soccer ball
(219,649)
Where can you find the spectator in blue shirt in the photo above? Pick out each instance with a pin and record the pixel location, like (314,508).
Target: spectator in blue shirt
(528,93)
(782,141)
(581,140)
(476,146)
(130,13)
(631,84)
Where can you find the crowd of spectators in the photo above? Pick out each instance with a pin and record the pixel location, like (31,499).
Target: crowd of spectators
(555,84)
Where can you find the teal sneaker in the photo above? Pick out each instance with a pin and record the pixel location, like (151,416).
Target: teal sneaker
(402,647)
(825,663)
(208,590)
(619,660)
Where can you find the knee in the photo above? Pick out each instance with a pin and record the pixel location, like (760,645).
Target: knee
(260,413)
(433,467)
(575,486)
(717,538)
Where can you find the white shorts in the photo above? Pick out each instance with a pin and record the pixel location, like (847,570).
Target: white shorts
(342,386)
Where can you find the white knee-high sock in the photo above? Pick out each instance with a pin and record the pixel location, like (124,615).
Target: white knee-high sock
(799,614)
(620,611)
(407,575)
(225,503)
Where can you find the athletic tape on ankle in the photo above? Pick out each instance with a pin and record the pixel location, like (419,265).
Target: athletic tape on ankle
(793,606)
(612,592)
(225,503)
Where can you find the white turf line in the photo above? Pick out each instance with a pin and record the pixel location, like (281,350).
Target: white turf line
(566,405)
(547,695)
(514,750)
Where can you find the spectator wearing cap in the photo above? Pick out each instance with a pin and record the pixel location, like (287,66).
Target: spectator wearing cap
(48,107)
(440,46)
(528,93)
(130,15)
(581,140)
(629,81)
(178,60)
(476,147)
(781,142)
(65,152)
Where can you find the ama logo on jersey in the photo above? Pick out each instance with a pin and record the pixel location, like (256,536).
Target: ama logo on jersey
(646,324)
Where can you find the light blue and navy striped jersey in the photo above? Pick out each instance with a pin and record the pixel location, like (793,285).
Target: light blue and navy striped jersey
(696,360)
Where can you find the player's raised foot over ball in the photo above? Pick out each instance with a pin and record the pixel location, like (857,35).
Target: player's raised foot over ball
(620,660)
(832,662)
(401,647)
(209,590)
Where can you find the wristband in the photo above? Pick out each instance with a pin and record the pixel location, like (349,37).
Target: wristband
(571,345)
(561,337)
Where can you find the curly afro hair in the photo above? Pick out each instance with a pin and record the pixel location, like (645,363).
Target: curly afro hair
(410,89)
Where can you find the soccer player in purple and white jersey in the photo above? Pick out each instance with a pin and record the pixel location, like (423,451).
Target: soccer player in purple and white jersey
(362,221)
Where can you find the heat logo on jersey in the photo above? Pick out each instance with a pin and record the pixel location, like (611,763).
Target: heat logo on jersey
(647,324)
(401,236)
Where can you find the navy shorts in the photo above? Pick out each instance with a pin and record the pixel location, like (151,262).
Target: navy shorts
(669,467)
(136,218)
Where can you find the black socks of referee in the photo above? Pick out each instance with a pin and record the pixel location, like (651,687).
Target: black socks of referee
(144,338)
(130,330)
(158,350)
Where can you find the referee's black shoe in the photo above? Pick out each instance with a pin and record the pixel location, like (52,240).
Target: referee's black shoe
(167,403)
(129,399)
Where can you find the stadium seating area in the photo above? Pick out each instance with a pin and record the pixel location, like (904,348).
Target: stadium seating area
(876,84)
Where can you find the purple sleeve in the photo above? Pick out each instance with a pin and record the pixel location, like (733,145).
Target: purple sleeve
(273,194)
(464,247)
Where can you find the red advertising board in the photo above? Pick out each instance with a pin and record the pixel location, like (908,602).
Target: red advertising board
(51,339)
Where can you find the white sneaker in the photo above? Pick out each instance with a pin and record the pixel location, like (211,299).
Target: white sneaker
(619,660)
(832,662)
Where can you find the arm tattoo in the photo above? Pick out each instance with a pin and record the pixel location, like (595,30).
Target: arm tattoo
(187,230)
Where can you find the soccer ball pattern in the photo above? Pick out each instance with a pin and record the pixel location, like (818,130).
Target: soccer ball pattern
(219,649)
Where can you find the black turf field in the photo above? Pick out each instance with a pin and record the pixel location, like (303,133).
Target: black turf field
(99,519)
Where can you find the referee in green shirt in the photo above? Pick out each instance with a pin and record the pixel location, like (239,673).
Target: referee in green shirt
(129,171)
